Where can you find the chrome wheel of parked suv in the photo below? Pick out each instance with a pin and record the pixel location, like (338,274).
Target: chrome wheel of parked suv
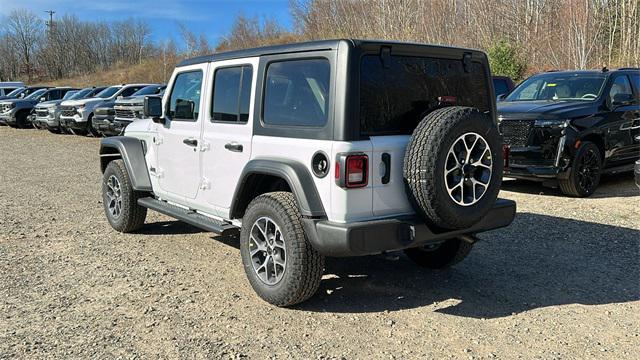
(268,250)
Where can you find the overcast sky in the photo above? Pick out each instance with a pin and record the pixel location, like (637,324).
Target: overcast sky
(213,17)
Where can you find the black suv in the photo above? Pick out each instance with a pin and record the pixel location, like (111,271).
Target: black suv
(570,127)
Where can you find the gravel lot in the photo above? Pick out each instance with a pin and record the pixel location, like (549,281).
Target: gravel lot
(561,282)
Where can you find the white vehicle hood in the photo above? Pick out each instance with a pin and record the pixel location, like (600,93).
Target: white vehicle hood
(82,102)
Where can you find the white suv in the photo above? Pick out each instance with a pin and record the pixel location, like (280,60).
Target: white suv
(329,148)
(76,115)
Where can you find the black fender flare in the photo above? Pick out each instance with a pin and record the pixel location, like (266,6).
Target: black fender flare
(294,173)
(131,151)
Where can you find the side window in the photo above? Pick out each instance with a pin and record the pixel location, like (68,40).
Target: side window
(52,95)
(297,93)
(129,91)
(232,94)
(620,86)
(184,103)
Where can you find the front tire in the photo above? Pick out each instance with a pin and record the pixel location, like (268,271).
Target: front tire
(440,256)
(120,200)
(91,131)
(281,265)
(585,173)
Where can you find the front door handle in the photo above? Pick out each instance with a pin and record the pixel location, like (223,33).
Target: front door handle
(190,142)
(235,147)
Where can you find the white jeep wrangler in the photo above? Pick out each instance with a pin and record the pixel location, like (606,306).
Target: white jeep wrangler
(328,148)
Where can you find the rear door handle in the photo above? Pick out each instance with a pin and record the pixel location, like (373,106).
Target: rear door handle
(235,147)
(190,142)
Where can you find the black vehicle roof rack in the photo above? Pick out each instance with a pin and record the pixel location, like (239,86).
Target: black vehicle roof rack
(629,68)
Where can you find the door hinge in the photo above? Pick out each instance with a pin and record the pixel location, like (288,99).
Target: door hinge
(157,140)
(205,184)
(204,146)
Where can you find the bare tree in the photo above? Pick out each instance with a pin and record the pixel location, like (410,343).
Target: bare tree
(24,30)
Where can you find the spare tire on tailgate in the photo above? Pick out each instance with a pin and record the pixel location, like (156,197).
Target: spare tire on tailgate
(453,167)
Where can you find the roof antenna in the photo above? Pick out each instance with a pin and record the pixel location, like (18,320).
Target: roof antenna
(604,69)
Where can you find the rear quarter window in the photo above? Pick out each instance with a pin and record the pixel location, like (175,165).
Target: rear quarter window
(296,93)
(394,99)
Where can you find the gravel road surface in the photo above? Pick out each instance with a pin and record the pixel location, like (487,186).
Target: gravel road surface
(563,282)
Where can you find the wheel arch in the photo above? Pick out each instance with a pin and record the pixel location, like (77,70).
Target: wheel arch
(132,152)
(597,139)
(260,176)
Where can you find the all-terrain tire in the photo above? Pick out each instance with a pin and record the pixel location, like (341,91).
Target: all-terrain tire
(441,256)
(574,185)
(304,265)
(131,215)
(425,159)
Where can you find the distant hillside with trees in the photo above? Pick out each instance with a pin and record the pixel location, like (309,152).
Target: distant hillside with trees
(521,36)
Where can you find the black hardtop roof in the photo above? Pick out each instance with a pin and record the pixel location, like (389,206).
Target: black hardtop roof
(317,45)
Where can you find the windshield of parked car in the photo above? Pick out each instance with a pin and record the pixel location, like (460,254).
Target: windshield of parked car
(80,94)
(69,95)
(108,92)
(16,92)
(147,90)
(560,87)
(36,94)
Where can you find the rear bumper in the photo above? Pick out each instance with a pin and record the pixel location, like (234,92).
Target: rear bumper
(372,237)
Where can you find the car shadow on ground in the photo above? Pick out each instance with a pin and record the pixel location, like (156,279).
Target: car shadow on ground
(617,185)
(538,261)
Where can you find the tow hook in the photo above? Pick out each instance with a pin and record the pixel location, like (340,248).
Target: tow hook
(471,239)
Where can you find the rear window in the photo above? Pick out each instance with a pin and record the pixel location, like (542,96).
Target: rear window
(394,99)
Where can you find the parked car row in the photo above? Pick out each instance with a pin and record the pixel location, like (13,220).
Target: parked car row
(562,128)
(74,110)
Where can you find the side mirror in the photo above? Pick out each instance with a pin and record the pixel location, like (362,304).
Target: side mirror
(501,97)
(43,99)
(153,109)
(622,100)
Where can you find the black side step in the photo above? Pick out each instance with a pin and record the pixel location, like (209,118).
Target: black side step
(189,216)
(619,169)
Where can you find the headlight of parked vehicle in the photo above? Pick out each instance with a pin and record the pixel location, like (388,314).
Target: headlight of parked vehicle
(557,123)
(52,110)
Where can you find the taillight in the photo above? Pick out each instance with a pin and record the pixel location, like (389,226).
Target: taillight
(351,171)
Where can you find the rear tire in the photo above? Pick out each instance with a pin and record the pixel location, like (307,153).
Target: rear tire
(120,200)
(281,265)
(453,167)
(585,173)
(440,256)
